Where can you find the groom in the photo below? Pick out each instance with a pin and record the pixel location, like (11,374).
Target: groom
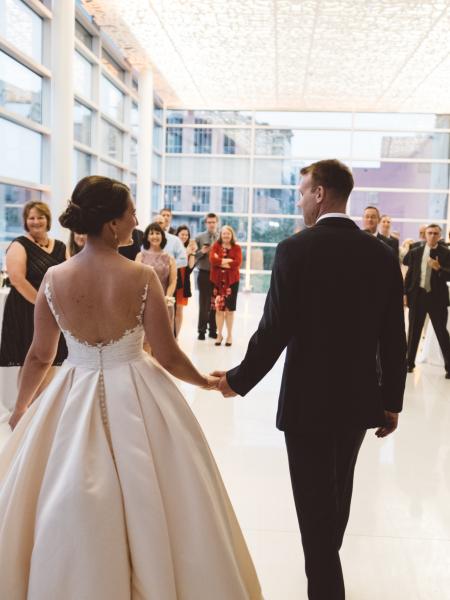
(335,296)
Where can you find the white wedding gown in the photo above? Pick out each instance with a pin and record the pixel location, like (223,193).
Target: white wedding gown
(108,489)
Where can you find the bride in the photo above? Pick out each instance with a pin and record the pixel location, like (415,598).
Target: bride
(108,489)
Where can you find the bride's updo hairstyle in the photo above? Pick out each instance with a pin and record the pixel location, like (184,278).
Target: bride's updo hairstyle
(95,201)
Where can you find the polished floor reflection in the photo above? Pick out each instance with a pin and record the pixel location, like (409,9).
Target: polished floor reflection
(397,545)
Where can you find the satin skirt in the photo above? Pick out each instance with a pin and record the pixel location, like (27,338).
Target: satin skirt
(109,491)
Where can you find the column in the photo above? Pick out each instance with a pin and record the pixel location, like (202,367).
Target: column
(145,147)
(62,65)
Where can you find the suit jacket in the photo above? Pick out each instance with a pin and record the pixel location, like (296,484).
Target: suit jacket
(390,241)
(439,288)
(133,250)
(335,297)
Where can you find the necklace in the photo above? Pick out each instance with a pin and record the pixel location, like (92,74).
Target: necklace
(39,244)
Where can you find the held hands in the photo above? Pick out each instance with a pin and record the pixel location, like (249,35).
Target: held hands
(434,263)
(391,422)
(223,386)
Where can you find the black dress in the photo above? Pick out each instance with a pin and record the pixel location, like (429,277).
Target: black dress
(18,316)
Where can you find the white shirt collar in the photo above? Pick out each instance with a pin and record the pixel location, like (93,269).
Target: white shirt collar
(334,216)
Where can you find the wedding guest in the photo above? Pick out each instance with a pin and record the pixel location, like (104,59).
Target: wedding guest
(183,291)
(385,229)
(422,239)
(166,213)
(28,258)
(427,293)
(371,221)
(76,242)
(154,255)
(225,258)
(206,313)
(132,250)
(174,245)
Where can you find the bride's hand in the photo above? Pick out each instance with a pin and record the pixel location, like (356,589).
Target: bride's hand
(211,382)
(15,417)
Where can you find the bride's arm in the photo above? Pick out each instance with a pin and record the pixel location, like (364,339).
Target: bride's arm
(159,334)
(40,356)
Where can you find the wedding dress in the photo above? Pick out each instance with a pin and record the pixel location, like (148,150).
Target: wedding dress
(108,489)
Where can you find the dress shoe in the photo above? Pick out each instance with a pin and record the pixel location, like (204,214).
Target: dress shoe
(213,335)
(201,336)
(228,342)
(219,340)
(447,375)
(410,369)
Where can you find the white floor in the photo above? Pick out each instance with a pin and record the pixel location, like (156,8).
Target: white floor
(397,545)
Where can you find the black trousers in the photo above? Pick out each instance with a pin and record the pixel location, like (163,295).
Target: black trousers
(419,306)
(322,465)
(206,315)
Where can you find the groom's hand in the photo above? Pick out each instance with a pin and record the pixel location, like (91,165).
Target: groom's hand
(391,422)
(223,386)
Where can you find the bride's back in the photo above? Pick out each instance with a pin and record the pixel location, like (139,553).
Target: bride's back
(98,295)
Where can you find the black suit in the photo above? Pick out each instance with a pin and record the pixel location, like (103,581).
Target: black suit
(335,296)
(133,249)
(435,302)
(392,242)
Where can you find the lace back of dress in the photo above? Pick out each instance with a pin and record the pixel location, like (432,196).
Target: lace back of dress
(115,347)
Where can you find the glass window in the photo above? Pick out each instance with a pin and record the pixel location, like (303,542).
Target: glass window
(133,154)
(82,165)
(273,229)
(172,197)
(20,89)
(22,27)
(109,170)
(378,144)
(201,197)
(82,74)
(21,152)
(134,84)
(290,142)
(231,141)
(260,282)
(156,167)
(112,141)
(202,140)
(414,205)
(275,172)
(112,100)
(158,112)
(304,119)
(112,66)
(197,224)
(82,124)
(210,117)
(134,119)
(275,201)
(197,171)
(174,140)
(156,194)
(83,35)
(221,199)
(408,121)
(401,175)
(12,200)
(132,184)
(157,136)
(262,257)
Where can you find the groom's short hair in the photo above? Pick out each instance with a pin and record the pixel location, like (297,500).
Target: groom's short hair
(332,175)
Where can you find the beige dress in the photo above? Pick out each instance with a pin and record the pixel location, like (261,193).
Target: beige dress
(109,491)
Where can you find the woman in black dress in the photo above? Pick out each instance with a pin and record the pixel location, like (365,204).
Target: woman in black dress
(27,260)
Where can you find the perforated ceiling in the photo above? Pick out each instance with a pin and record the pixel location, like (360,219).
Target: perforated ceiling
(383,55)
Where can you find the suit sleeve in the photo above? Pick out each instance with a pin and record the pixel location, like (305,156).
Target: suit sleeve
(393,346)
(444,261)
(274,329)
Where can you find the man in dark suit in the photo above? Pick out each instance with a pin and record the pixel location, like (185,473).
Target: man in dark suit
(427,292)
(335,296)
(371,221)
(166,213)
(385,229)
